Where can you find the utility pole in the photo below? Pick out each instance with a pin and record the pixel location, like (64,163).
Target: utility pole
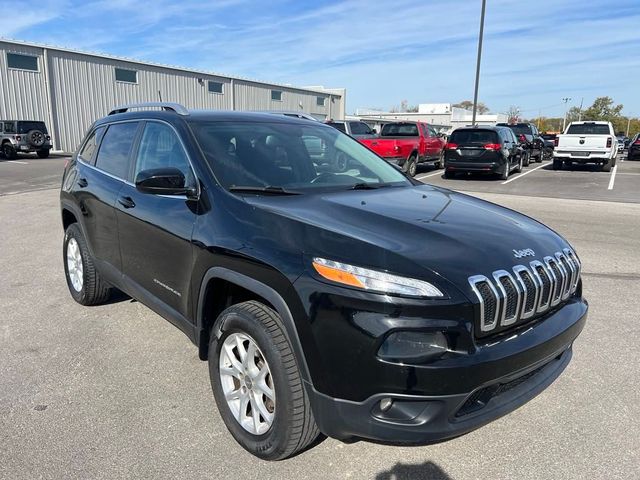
(475,92)
(628,125)
(564,121)
(580,110)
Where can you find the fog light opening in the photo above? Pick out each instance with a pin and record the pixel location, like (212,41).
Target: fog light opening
(414,346)
(385,404)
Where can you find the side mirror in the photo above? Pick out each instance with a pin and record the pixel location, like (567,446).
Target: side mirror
(163,181)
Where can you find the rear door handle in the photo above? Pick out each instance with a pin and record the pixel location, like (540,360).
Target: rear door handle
(82,182)
(126,202)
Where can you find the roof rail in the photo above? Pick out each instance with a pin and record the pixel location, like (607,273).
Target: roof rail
(174,107)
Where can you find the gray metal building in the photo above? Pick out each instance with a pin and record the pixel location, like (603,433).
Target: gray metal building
(69,89)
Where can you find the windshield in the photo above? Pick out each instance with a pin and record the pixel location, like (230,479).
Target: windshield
(291,156)
(588,129)
(400,130)
(25,127)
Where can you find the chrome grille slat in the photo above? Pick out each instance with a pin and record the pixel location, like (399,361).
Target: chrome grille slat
(509,297)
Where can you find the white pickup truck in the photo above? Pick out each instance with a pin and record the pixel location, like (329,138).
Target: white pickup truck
(586,142)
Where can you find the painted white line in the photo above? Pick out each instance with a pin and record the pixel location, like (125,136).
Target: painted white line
(613,177)
(432,174)
(18,161)
(525,173)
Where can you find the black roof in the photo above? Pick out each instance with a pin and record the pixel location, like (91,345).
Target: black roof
(205,115)
(481,127)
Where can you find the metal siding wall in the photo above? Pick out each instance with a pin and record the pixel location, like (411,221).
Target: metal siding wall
(84,89)
(23,94)
(255,96)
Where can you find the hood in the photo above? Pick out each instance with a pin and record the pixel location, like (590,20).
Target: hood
(406,229)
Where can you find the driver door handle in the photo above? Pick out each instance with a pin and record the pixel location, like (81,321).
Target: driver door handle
(126,202)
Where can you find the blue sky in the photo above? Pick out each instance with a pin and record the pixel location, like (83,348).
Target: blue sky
(382,51)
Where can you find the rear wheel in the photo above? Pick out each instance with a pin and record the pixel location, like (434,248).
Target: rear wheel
(43,153)
(85,283)
(9,152)
(411,166)
(440,162)
(505,174)
(519,167)
(256,383)
(448,174)
(606,167)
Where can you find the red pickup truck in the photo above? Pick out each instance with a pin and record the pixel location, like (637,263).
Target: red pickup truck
(407,144)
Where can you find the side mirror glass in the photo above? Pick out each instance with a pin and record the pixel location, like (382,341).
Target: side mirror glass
(163,181)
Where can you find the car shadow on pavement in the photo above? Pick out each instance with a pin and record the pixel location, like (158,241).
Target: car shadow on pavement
(407,471)
(117,296)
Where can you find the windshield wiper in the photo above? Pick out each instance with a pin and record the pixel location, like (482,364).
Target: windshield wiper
(370,186)
(269,189)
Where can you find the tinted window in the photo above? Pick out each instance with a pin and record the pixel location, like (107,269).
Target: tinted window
(24,127)
(9,127)
(160,148)
(338,125)
(519,129)
(276,95)
(91,145)
(462,137)
(589,129)
(293,156)
(113,156)
(128,76)
(23,62)
(400,130)
(215,87)
(359,128)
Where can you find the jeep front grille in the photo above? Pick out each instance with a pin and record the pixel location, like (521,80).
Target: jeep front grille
(511,297)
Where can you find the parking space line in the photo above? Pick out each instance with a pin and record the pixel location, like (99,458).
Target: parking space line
(525,173)
(433,174)
(18,161)
(613,177)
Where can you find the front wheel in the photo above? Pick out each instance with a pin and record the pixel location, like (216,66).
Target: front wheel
(256,383)
(9,152)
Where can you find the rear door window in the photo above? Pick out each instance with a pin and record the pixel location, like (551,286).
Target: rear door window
(115,149)
(91,145)
(473,137)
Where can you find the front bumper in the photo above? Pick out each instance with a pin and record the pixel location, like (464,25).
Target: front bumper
(453,396)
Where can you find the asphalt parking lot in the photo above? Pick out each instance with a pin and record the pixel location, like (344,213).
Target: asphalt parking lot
(115,391)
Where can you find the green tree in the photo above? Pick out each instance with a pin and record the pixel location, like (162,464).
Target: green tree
(603,108)
(468,105)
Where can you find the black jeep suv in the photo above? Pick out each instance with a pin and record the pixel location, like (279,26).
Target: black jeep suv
(358,303)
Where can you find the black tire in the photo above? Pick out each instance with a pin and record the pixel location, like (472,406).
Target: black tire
(447,173)
(42,153)
(411,166)
(505,174)
(518,169)
(9,152)
(293,427)
(440,163)
(526,160)
(94,289)
(557,164)
(35,138)
(607,166)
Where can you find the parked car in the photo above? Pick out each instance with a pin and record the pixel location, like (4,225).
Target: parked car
(529,137)
(408,144)
(24,136)
(356,129)
(586,142)
(362,304)
(549,143)
(483,149)
(620,145)
(634,148)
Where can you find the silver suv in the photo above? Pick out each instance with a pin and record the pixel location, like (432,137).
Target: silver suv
(24,136)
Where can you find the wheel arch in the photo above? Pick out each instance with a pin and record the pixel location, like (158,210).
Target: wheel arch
(258,291)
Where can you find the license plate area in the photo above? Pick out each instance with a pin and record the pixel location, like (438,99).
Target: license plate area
(580,154)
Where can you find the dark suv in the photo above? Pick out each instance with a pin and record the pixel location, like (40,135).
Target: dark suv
(529,137)
(22,136)
(360,304)
(483,150)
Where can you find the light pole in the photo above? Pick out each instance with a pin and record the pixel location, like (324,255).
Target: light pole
(628,125)
(564,121)
(475,92)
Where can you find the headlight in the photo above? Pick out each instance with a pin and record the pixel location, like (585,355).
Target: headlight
(373,280)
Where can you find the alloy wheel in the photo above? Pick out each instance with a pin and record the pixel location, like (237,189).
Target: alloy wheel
(247,383)
(75,268)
